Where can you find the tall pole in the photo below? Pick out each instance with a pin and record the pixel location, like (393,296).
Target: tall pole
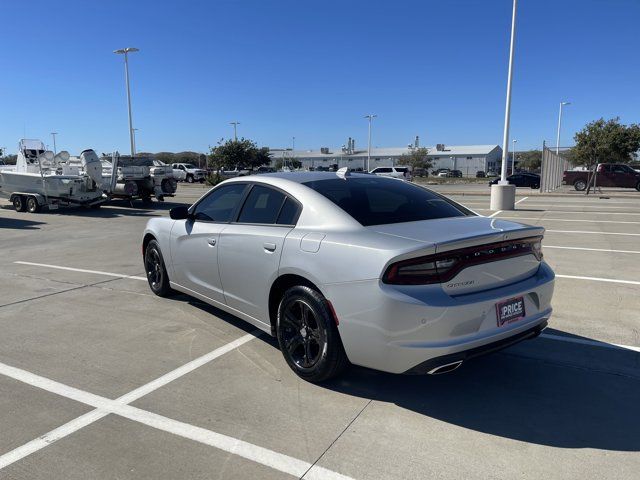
(370,117)
(134,130)
(235,130)
(125,52)
(559,125)
(507,112)
(513,157)
(53,134)
(293,144)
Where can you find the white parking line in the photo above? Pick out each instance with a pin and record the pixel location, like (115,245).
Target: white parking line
(598,279)
(596,233)
(585,341)
(592,249)
(494,214)
(570,220)
(550,207)
(521,200)
(261,455)
(82,270)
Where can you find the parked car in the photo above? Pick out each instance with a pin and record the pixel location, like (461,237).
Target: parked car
(491,174)
(523,179)
(264,169)
(442,172)
(355,268)
(455,174)
(480,174)
(608,175)
(395,172)
(192,173)
(420,172)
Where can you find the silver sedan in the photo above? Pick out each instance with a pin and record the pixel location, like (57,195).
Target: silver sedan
(354,268)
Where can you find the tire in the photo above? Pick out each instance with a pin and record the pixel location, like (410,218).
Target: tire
(189,178)
(18,203)
(156,270)
(580,185)
(308,335)
(638,186)
(32,204)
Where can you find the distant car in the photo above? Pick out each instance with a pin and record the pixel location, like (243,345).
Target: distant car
(608,175)
(192,173)
(491,174)
(455,174)
(443,172)
(480,174)
(394,172)
(353,268)
(420,172)
(523,179)
(265,169)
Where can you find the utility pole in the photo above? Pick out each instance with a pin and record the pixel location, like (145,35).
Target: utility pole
(125,52)
(370,117)
(53,134)
(235,124)
(559,125)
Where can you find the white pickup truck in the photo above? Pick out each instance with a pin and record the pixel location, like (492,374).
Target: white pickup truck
(188,172)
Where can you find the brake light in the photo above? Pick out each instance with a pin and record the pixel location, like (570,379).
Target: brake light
(443,267)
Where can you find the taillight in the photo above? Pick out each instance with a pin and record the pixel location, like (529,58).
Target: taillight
(443,267)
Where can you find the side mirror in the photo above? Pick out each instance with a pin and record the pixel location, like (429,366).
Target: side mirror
(179,213)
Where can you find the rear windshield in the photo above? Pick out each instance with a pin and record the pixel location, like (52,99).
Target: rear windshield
(378,201)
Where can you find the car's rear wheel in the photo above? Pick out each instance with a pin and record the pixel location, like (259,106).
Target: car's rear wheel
(19,203)
(156,270)
(189,178)
(32,204)
(308,335)
(580,185)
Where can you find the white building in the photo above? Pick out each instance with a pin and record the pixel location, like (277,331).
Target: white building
(467,158)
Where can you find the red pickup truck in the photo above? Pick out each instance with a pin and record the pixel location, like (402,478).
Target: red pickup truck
(608,175)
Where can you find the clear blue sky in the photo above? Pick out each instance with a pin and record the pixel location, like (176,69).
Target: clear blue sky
(312,69)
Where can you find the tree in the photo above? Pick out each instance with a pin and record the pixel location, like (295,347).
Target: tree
(10,159)
(605,141)
(416,158)
(241,154)
(529,160)
(166,157)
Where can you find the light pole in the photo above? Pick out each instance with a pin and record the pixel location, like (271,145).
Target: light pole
(513,160)
(293,144)
(235,124)
(559,124)
(134,130)
(503,195)
(370,117)
(53,134)
(125,52)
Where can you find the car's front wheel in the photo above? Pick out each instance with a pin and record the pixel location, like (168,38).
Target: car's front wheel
(580,185)
(156,270)
(308,335)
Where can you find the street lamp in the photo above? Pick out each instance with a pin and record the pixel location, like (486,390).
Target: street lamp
(370,117)
(503,195)
(125,52)
(293,144)
(559,124)
(53,134)
(513,159)
(235,129)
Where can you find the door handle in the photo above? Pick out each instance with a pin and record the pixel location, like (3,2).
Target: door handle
(211,241)
(270,247)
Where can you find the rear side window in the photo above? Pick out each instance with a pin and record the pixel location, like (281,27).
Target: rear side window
(262,205)
(289,213)
(220,204)
(377,201)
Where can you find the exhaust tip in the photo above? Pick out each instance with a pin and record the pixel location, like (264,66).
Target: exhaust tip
(446,368)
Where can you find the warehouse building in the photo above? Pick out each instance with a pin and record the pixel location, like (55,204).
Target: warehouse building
(467,158)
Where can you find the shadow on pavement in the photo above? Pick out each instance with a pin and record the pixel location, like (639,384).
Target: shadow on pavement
(19,224)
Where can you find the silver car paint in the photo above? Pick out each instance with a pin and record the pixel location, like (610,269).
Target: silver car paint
(386,327)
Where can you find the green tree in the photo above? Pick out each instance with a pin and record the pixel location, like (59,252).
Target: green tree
(166,157)
(416,158)
(529,160)
(605,141)
(242,154)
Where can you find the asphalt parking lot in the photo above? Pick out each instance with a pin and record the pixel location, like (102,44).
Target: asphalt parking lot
(101,379)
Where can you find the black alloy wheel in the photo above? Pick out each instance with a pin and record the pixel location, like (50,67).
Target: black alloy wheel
(308,336)
(580,185)
(156,270)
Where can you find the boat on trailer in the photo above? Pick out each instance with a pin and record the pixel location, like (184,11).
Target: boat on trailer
(43,179)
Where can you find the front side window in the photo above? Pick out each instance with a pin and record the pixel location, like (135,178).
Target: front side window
(378,200)
(263,205)
(220,204)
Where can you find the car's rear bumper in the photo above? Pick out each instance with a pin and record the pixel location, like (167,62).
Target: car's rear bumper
(398,330)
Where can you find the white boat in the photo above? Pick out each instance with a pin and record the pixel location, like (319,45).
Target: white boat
(45,179)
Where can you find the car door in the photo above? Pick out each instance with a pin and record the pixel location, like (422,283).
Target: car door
(605,176)
(250,249)
(194,241)
(622,177)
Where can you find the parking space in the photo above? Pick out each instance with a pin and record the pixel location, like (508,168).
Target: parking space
(101,379)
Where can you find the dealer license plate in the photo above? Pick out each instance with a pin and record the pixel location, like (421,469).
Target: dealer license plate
(510,311)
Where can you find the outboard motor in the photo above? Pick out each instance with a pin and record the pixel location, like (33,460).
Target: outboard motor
(92,166)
